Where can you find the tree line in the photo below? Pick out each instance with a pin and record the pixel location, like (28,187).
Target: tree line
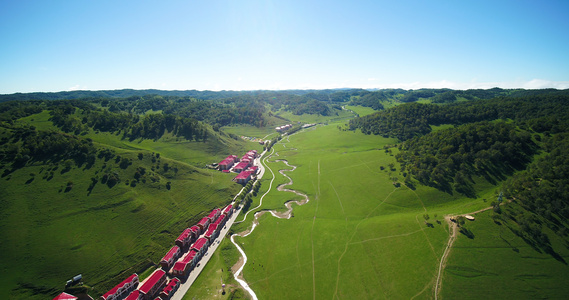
(150,126)
(542,113)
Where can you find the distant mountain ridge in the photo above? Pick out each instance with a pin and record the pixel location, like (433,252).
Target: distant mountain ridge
(123,93)
(344,93)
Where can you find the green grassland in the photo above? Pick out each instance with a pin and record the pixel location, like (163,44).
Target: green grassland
(497,262)
(361,110)
(360,236)
(251,131)
(54,226)
(216,272)
(349,240)
(313,118)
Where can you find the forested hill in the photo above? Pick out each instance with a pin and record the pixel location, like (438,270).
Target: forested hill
(124,93)
(543,113)
(359,96)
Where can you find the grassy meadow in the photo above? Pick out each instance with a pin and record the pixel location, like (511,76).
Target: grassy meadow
(361,110)
(362,237)
(350,239)
(251,131)
(312,118)
(54,224)
(497,262)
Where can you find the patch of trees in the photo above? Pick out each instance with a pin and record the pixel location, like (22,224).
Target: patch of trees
(413,96)
(544,187)
(311,107)
(448,159)
(542,113)
(371,99)
(27,145)
(446,97)
(272,142)
(151,126)
(11,111)
(402,122)
(540,197)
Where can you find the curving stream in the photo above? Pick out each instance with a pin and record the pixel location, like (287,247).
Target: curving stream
(281,215)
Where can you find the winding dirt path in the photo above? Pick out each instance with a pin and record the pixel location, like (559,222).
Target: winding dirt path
(238,267)
(453,233)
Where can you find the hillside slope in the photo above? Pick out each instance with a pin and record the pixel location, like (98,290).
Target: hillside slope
(98,204)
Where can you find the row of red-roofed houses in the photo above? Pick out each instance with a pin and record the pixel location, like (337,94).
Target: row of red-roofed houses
(122,289)
(157,286)
(212,225)
(242,164)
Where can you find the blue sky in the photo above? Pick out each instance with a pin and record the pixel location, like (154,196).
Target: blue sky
(243,45)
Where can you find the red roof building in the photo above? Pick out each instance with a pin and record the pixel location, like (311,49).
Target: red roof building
(244,164)
(228,210)
(122,289)
(179,268)
(203,223)
(200,246)
(170,257)
(153,284)
(228,162)
(186,264)
(184,239)
(220,222)
(191,256)
(252,153)
(170,289)
(214,214)
(243,177)
(211,232)
(195,231)
(65,296)
(135,295)
(253,169)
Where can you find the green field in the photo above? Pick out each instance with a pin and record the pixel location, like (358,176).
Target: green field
(355,215)
(361,110)
(498,262)
(312,118)
(251,131)
(361,237)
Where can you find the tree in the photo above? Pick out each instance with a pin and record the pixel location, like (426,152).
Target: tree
(460,220)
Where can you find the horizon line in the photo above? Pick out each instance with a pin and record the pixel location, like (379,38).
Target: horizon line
(409,87)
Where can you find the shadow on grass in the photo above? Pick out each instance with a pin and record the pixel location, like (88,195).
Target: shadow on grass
(467,233)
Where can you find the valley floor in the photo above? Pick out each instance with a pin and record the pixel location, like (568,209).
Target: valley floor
(358,235)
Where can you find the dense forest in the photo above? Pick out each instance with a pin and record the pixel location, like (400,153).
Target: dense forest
(543,113)
(448,159)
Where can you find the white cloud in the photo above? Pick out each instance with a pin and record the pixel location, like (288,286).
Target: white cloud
(532,84)
(542,84)
(77,88)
